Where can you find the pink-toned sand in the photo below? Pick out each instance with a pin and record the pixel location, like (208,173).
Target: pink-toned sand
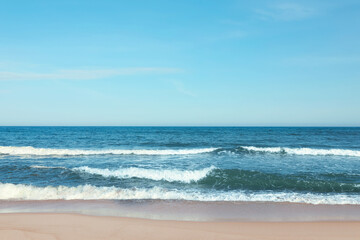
(76,227)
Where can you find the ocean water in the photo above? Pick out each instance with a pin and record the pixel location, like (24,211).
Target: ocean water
(252,164)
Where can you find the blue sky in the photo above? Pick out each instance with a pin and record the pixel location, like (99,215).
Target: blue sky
(237,63)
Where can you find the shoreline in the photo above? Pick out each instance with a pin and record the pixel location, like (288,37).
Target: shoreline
(189,210)
(60,226)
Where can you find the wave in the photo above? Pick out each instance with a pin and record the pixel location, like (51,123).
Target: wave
(304,151)
(170,175)
(224,179)
(46,167)
(233,179)
(74,152)
(19,151)
(237,179)
(10,191)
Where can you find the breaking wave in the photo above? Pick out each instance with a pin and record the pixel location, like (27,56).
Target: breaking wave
(19,151)
(10,191)
(220,179)
(74,152)
(170,175)
(304,151)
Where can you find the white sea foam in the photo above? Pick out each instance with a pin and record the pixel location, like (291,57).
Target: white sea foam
(10,191)
(305,151)
(46,167)
(170,175)
(73,152)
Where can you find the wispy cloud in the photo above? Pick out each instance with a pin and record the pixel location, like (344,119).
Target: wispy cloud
(84,74)
(288,11)
(3,91)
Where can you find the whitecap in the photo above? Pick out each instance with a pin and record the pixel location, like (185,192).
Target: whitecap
(73,152)
(304,151)
(170,175)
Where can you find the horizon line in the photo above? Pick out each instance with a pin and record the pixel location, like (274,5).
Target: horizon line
(184,126)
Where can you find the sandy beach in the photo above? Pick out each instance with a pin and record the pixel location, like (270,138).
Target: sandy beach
(75,226)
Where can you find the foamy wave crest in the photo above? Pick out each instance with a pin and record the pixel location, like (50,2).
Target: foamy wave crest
(46,167)
(74,152)
(10,191)
(305,151)
(170,175)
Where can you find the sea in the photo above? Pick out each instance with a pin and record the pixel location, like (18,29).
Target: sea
(312,165)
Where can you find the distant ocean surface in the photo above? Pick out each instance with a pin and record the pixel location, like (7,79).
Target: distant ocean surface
(266,164)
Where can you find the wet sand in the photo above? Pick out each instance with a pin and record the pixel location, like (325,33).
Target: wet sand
(190,210)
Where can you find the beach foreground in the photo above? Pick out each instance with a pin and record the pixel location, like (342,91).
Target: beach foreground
(75,226)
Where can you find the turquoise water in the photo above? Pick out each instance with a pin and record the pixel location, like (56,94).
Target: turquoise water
(311,165)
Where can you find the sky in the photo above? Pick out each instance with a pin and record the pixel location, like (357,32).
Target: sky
(180,63)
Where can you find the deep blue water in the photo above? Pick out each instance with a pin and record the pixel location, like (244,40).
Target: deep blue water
(313,165)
